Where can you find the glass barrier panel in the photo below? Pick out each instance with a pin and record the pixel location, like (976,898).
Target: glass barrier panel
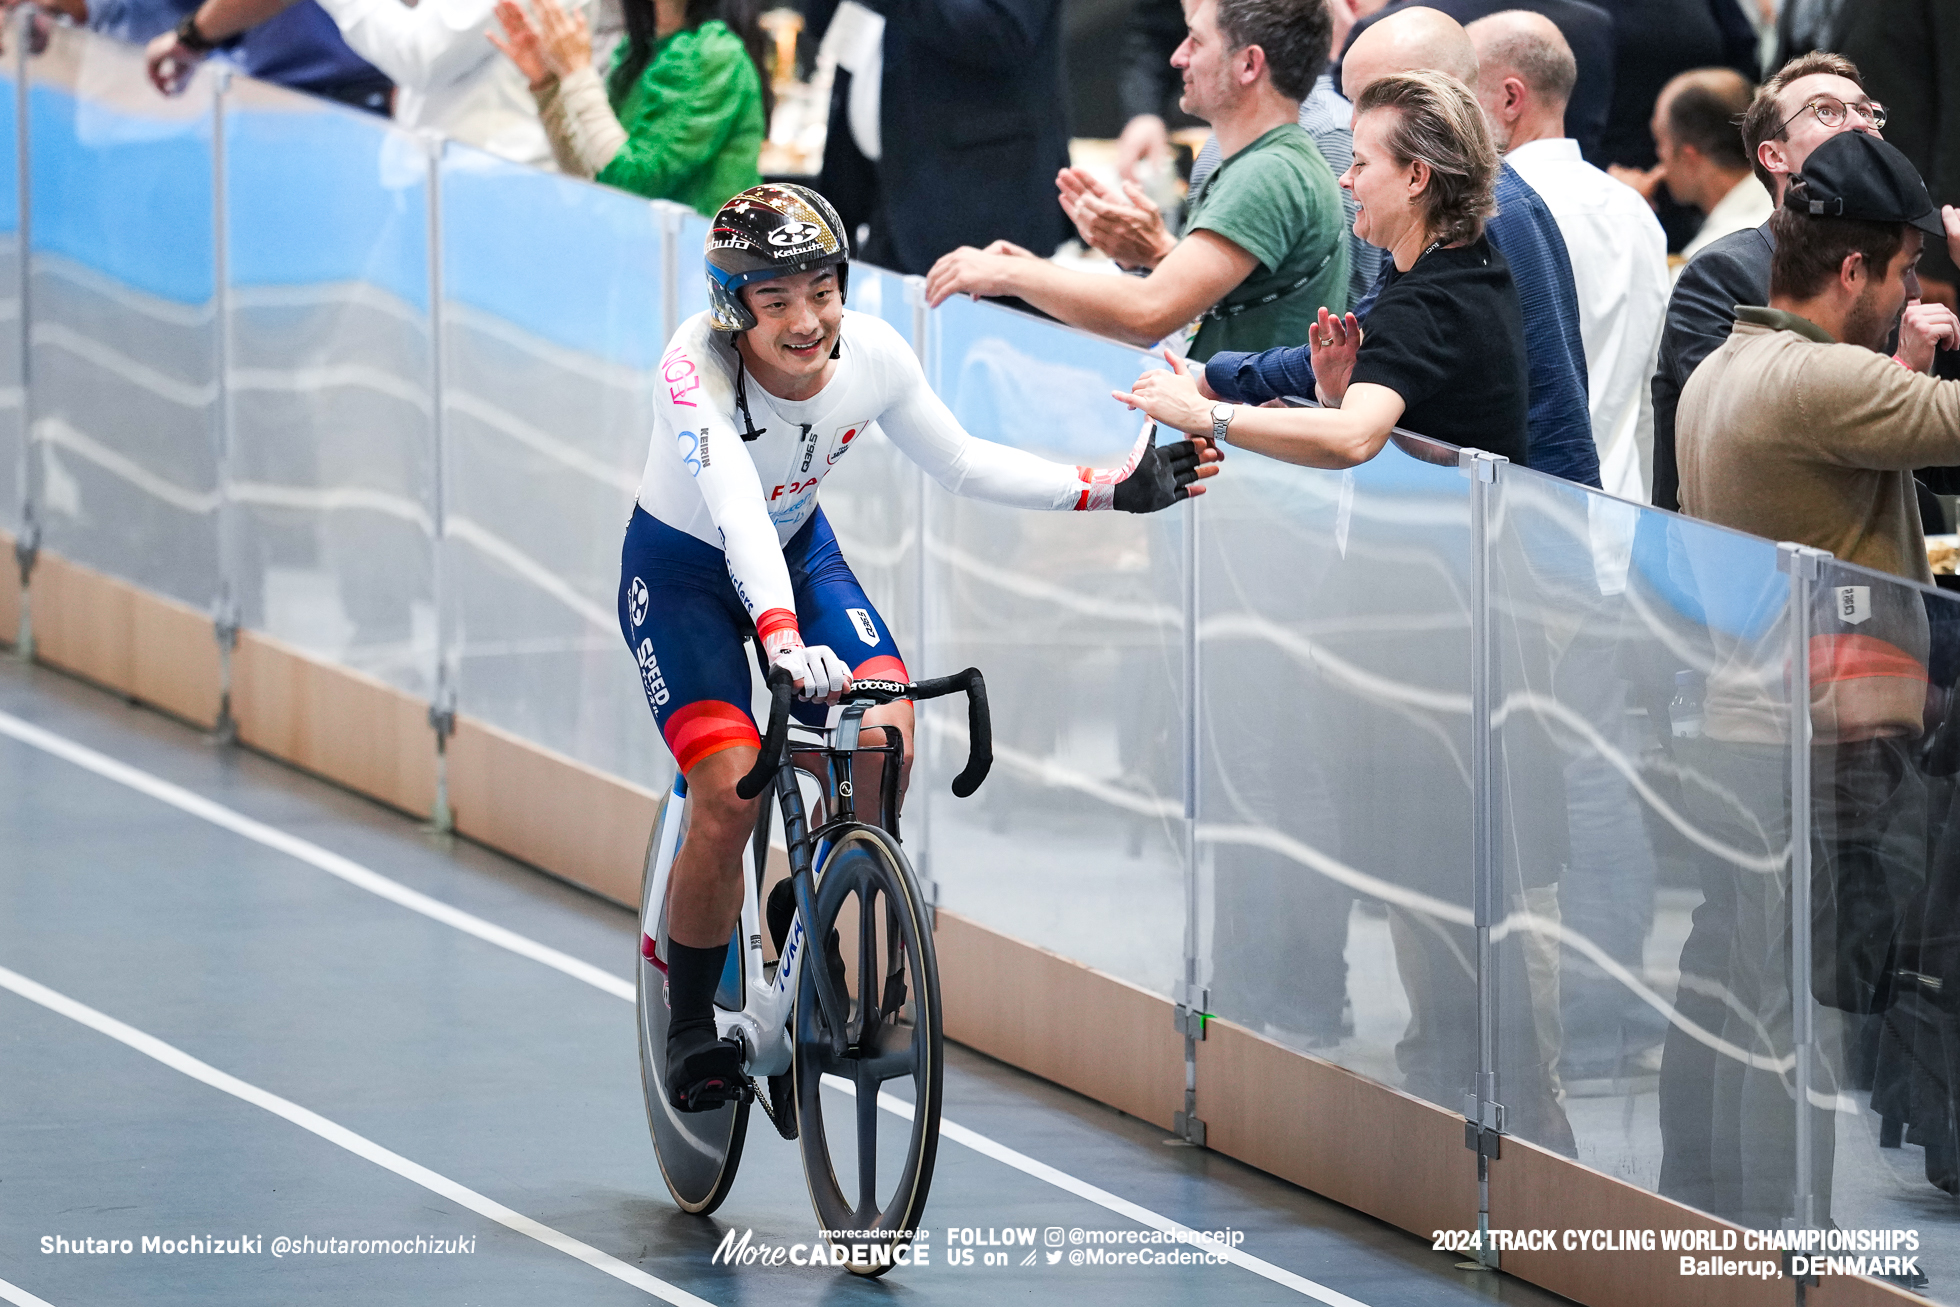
(124,459)
(1883,997)
(13,425)
(1334,801)
(1641,780)
(873,498)
(551,333)
(1076,841)
(884,295)
(690,248)
(332,473)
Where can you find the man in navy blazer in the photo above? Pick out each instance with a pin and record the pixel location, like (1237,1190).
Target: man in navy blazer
(973,126)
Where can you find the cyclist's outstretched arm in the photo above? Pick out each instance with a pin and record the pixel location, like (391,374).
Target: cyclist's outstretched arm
(920,424)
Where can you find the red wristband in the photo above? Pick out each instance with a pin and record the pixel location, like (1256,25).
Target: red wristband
(773,620)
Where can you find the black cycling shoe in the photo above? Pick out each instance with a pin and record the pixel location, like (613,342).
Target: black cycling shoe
(704,1072)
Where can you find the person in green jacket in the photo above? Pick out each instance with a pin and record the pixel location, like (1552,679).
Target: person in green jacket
(683,112)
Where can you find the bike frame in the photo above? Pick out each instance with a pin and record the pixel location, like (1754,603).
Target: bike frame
(762,1024)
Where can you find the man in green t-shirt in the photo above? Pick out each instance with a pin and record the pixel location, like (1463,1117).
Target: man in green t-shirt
(1266,243)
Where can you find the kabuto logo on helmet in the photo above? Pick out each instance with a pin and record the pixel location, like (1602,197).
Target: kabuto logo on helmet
(797,233)
(766,232)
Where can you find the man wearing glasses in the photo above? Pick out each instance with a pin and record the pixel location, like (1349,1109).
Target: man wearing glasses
(1806,102)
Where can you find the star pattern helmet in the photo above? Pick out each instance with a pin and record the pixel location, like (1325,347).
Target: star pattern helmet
(768,232)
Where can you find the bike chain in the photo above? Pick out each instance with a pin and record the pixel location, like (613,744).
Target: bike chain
(777,1099)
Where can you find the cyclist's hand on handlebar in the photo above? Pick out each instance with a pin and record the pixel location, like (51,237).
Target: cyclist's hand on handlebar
(818,673)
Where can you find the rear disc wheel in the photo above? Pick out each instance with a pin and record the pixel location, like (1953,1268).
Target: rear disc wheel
(698,1151)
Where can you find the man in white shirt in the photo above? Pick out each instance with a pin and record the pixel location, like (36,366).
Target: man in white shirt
(1702,156)
(1618,251)
(1526,72)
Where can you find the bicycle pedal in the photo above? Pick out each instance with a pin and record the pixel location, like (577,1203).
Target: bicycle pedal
(714,1093)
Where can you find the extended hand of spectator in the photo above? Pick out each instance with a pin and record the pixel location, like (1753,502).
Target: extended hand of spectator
(1334,342)
(171,63)
(967,271)
(1923,329)
(563,37)
(1144,137)
(1951,217)
(520,43)
(1127,227)
(1172,398)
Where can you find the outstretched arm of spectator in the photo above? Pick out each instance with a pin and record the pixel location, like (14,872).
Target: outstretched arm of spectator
(170,61)
(1201,271)
(1241,378)
(1312,437)
(220,20)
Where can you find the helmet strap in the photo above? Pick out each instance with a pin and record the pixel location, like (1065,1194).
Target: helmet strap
(750,432)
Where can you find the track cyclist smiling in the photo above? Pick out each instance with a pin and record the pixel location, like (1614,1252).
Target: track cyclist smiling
(756,400)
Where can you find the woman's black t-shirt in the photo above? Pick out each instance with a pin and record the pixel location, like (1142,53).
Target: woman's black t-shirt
(1448,337)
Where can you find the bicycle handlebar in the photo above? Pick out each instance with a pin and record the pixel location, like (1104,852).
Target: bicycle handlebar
(979,723)
(782,688)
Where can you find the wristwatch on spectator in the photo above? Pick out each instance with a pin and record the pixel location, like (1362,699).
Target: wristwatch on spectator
(190,38)
(1221,420)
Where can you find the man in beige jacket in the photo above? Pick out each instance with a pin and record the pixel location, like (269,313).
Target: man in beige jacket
(1800,428)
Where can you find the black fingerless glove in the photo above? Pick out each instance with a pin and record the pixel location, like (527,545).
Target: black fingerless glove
(1162,477)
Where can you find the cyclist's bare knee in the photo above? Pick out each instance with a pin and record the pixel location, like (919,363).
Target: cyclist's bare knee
(897,715)
(705,896)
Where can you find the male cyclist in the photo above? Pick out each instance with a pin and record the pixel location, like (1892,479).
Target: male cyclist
(756,400)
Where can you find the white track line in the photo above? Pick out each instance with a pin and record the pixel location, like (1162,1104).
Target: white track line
(375,883)
(1021,1162)
(178,1060)
(20,1297)
(308,852)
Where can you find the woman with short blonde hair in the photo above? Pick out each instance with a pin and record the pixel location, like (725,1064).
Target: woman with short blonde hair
(1444,351)
(1437,122)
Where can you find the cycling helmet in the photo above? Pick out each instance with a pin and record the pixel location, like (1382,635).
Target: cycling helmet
(768,232)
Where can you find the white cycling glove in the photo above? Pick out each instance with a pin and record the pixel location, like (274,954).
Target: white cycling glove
(819,673)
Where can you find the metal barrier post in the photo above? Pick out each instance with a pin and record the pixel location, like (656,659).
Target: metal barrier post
(1482,1110)
(1804,565)
(925,339)
(1192,1001)
(225,618)
(442,706)
(667,221)
(27,544)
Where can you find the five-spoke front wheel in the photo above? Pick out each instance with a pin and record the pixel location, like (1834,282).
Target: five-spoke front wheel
(869,1113)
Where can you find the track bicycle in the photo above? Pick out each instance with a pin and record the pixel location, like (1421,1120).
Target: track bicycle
(820,1044)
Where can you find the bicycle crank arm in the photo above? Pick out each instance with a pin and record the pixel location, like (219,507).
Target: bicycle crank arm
(764,1052)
